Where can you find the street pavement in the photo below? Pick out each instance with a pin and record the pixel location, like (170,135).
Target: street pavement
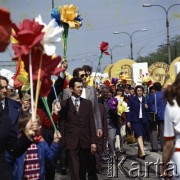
(129,166)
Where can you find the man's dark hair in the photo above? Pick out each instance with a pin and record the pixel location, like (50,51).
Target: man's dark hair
(137,87)
(73,81)
(87,68)
(151,88)
(157,86)
(76,72)
(4,78)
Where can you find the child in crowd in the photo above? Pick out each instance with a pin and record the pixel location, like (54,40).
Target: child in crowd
(31,164)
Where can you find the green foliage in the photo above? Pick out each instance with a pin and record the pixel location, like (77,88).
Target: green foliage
(161,54)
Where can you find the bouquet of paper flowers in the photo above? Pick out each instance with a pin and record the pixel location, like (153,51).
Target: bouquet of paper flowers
(118,106)
(146,82)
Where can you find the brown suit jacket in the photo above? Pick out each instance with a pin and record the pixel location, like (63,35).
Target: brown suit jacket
(78,129)
(90,95)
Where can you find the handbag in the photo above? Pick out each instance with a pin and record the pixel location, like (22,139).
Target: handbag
(130,139)
(152,116)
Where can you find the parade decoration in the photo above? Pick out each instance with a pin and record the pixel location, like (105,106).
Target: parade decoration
(5,29)
(112,104)
(106,82)
(51,36)
(122,107)
(25,37)
(118,106)
(114,81)
(67,17)
(103,48)
(21,78)
(89,81)
(146,82)
(34,42)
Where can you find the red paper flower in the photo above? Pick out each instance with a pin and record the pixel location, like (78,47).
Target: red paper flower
(26,36)
(149,83)
(107,82)
(104,48)
(5,29)
(49,67)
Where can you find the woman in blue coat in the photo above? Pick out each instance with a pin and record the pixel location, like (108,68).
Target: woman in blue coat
(137,119)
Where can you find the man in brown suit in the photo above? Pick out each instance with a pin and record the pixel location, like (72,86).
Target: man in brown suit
(78,130)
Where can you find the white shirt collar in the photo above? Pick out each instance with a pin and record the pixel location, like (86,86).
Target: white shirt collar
(3,102)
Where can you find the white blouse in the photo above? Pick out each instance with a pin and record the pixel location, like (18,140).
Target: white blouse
(172,123)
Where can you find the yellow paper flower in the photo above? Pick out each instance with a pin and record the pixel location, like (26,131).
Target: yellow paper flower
(122,107)
(23,77)
(145,78)
(89,81)
(69,13)
(69,76)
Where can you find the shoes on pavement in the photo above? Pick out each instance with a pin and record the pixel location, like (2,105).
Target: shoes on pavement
(142,156)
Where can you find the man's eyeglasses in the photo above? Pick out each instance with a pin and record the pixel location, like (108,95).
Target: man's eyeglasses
(83,75)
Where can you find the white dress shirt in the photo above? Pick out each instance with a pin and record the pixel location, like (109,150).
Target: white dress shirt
(74,98)
(3,103)
(83,95)
(140,110)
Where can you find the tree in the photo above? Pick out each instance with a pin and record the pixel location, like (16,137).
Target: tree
(161,54)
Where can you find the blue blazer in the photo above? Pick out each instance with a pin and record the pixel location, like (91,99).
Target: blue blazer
(14,109)
(161,104)
(133,114)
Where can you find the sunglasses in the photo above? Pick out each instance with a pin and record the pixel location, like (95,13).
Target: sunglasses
(83,75)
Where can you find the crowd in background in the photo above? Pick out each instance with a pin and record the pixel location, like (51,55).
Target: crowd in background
(87,126)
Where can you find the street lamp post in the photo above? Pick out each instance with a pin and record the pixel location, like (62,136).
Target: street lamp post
(99,64)
(167,26)
(111,50)
(130,37)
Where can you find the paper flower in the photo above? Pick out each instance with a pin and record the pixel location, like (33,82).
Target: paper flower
(51,36)
(104,47)
(112,104)
(69,15)
(5,29)
(106,82)
(145,78)
(66,16)
(122,107)
(21,78)
(49,67)
(56,15)
(26,36)
(114,81)
(89,81)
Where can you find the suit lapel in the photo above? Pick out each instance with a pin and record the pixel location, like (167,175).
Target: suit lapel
(71,105)
(88,92)
(81,106)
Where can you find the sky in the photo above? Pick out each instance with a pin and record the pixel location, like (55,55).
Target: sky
(100,19)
